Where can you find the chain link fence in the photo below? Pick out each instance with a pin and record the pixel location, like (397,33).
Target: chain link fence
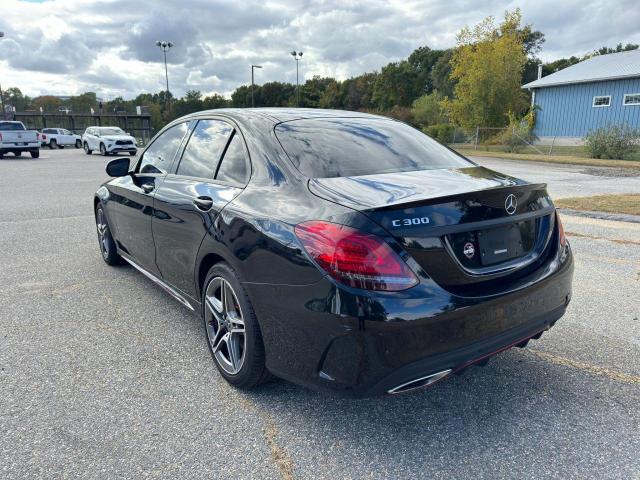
(504,139)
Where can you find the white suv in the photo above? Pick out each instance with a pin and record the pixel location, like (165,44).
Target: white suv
(108,140)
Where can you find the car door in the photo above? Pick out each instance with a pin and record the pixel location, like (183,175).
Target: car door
(189,200)
(67,138)
(89,136)
(133,196)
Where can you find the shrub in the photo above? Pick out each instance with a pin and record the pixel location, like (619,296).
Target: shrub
(428,110)
(613,141)
(517,135)
(443,132)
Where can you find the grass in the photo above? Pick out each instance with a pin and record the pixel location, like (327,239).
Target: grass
(560,159)
(625,203)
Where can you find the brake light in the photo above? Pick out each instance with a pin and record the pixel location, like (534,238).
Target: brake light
(561,234)
(355,258)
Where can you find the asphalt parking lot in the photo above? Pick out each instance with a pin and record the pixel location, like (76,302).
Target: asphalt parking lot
(102,375)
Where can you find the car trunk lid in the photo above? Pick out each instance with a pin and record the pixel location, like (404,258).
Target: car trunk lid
(465,227)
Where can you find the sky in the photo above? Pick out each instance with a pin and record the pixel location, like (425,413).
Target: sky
(66,47)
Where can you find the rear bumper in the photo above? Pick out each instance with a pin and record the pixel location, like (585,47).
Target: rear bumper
(18,147)
(364,344)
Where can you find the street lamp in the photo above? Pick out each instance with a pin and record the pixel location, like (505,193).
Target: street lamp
(297,56)
(1,94)
(253,102)
(164,45)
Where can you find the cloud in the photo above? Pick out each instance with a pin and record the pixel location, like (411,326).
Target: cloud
(108,46)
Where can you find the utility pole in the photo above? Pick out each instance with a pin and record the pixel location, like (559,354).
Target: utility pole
(253,102)
(297,56)
(164,45)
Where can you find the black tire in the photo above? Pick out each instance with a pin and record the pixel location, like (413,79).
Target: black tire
(53,144)
(105,239)
(132,153)
(17,154)
(35,153)
(87,150)
(103,150)
(253,371)
(78,144)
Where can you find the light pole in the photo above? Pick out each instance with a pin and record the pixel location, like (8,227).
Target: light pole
(253,102)
(164,45)
(1,94)
(297,56)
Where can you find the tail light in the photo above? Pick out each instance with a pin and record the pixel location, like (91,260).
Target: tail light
(561,234)
(355,258)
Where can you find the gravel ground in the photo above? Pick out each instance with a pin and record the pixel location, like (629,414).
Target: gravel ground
(102,375)
(568,180)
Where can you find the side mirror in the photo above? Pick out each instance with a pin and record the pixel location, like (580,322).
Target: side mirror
(118,167)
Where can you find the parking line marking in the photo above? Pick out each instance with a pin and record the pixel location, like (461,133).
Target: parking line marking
(593,369)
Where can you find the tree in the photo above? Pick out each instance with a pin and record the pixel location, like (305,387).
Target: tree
(13,97)
(487,65)
(440,75)
(428,109)
(396,85)
(423,60)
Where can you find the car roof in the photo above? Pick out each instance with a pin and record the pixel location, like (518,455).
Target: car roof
(284,114)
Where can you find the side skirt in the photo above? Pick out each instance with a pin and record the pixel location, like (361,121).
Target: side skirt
(170,290)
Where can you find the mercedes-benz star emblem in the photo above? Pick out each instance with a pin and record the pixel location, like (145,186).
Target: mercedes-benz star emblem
(469,250)
(510,204)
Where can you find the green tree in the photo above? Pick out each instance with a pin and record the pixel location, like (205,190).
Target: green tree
(488,65)
(396,85)
(428,109)
(440,75)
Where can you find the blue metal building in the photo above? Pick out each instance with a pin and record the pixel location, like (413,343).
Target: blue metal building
(603,90)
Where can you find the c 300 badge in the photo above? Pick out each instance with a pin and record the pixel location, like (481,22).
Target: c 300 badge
(410,222)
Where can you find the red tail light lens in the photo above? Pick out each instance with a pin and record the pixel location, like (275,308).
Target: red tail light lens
(561,234)
(355,258)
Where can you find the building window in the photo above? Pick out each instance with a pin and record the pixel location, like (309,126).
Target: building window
(631,99)
(602,101)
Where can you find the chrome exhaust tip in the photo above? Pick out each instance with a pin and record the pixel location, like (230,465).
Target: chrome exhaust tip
(419,382)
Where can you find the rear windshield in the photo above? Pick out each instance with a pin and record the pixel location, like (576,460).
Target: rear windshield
(11,126)
(345,147)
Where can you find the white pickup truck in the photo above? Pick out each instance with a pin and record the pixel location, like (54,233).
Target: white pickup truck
(15,138)
(59,137)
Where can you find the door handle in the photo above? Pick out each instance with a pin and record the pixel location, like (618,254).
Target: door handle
(203,203)
(147,187)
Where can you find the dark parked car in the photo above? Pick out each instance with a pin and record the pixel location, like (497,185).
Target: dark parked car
(342,251)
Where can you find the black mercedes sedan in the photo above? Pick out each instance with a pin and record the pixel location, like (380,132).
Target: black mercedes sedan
(342,251)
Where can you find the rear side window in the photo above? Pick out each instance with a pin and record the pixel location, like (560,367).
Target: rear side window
(11,126)
(205,147)
(234,168)
(344,147)
(158,157)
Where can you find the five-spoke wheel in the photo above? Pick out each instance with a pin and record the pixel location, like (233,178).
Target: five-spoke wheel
(232,329)
(225,325)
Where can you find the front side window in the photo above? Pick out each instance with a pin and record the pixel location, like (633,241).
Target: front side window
(602,101)
(158,157)
(203,151)
(234,167)
(632,99)
(344,147)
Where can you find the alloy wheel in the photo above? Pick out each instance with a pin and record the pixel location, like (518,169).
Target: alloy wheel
(225,325)
(101,225)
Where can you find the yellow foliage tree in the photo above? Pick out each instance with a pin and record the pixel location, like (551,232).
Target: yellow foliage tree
(487,66)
